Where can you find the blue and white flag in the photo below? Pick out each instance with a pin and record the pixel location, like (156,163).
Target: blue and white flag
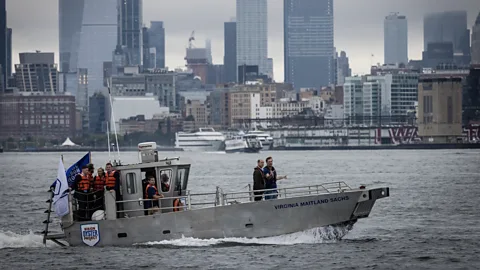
(60,194)
(74,170)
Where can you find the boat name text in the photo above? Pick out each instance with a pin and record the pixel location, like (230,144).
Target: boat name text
(312,202)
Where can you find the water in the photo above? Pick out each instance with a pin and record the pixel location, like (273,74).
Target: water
(430,220)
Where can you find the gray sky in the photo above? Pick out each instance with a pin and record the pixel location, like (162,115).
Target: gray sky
(358,26)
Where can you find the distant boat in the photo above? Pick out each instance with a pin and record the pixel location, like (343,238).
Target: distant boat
(243,144)
(265,138)
(205,139)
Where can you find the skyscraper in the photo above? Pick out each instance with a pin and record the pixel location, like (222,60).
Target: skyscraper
(3,41)
(476,41)
(156,38)
(9,53)
(308,43)
(88,34)
(395,39)
(130,29)
(449,26)
(230,51)
(252,34)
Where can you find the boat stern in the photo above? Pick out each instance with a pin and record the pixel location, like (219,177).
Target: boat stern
(367,200)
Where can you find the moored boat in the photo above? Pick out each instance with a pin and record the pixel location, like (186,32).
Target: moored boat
(216,214)
(243,144)
(205,139)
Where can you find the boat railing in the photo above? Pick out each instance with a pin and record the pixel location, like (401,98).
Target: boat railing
(286,192)
(218,198)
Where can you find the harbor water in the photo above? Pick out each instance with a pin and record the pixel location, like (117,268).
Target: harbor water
(430,221)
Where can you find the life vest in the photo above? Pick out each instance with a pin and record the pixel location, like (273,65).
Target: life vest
(177,205)
(98,183)
(146,191)
(84,183)
(110,180)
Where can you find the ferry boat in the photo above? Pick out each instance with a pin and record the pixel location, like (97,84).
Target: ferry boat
(243,144)
(205,139)
(265,138)
(217,214)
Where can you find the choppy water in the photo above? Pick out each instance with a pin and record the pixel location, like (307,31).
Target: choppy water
(431,220)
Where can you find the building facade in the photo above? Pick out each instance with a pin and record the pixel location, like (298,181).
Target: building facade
(3,41)
(395,39)
(199,111)
(37,73)
(156,34)
(230,51)
(130,21)
(448,26)
(308,43)
(252,33)
(439,108)
(476,41)
(9,53)
(87,36)
(42,116)
(97,113)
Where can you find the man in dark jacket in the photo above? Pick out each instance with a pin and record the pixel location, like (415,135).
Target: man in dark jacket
(258,180)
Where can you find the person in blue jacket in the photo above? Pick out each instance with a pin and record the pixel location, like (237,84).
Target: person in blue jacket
(271,179)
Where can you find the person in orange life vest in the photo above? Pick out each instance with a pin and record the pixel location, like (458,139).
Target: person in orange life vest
(164,184)
(112,184)
(82,187)
(98,189)
(152,194)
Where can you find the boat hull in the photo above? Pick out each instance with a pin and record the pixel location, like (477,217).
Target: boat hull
(243,150)
(252,219)
(206,146)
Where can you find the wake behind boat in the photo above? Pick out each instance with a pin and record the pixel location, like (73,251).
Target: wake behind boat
(216,214)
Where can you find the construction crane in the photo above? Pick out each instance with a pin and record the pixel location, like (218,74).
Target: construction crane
(190,39)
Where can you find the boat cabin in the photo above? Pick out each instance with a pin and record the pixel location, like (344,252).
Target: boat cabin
(171,180)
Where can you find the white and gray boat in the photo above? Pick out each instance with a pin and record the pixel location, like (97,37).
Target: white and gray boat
(217,214)
(243,144)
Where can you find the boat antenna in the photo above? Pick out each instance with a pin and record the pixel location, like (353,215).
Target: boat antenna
(113,117)
(108,141)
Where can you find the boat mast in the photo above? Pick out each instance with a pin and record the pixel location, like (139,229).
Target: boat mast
(113,117)
(108,141)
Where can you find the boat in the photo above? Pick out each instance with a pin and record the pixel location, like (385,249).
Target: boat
(205,139)
(217,214)
(243,144)
(265,138)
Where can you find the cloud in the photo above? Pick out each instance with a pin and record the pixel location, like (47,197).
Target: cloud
(358,26)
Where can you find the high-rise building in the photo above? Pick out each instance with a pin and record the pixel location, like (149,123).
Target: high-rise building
(230,51)
(208,47)
(448,26)
(395,39)
(343,68)
(87,35)
(252,34)
(308,43)
(130,15)
(9,53)
(476,41)
(37,73)
(156,38)
(3,41)
(149,52)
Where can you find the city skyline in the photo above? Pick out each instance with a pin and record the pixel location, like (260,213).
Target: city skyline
(39,24)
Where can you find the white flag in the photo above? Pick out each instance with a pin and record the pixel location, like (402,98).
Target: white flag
(60,194)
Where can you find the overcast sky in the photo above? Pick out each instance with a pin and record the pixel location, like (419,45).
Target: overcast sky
(358,26)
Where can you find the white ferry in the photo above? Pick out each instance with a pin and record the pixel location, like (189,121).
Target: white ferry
(205,139)
(243,144)
(265,138)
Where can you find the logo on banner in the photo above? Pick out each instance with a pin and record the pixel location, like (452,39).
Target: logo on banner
(90,234)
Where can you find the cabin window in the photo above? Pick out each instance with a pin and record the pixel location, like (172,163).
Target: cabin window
(165,180)
(182,177)
(131,183)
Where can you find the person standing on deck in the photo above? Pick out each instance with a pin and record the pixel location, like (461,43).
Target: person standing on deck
(112,184)
(271,179)
(152,195)
(82,187)
(98,189)
(258,180)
